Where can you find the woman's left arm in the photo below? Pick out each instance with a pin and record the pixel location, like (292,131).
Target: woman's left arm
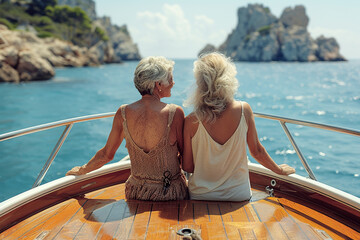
(189,130)
(105,154)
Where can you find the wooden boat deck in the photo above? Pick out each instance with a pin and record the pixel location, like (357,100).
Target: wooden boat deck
(105,214)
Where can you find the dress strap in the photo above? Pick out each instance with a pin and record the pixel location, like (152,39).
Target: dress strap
(242,111)
(171,114)
(170,119)
(242,108)
(122,109)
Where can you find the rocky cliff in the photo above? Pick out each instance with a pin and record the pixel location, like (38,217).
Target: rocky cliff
(119,46)
(261,36)
(26,57)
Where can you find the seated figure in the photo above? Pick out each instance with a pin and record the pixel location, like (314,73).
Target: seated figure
(153,131)
(217,133)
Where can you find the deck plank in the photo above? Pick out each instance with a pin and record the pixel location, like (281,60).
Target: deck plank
(54,223)
(226,211)
(81,207)
(125,224)
(89,219)
(106,214)
(200,211)
(214,212)
(164,211)
(238,213)
(141,222)
(159,230)
(255,230)
(32,222)
(232,232)
(77,220)
(119,220)
(269,210)
(250,213)
(186,212)
(246,233)
(212,230)
(276,231)
(292,229)
(260,231)
(317,220)
(94,221)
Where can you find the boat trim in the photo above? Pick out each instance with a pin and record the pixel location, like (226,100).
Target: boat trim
(14,203)
(53,186)
(312,185)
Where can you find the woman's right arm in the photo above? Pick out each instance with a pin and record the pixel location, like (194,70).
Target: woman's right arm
(178,121)
(257,150)
(107,153)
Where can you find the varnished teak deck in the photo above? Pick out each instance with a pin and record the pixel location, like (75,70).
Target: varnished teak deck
(104,214)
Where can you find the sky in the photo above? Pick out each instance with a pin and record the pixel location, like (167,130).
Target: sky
(181,28)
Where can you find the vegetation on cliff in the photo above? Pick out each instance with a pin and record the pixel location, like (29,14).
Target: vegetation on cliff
(38,35)
(52,20)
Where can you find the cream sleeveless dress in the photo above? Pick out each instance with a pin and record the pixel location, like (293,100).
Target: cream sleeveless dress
(155,175)
(221,171)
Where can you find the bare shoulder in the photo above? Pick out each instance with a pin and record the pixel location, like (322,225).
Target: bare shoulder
(246,108)
(191,124)
(248,113)
(191,118)
(118,115)
(237,105)
(179,112)
(179,115)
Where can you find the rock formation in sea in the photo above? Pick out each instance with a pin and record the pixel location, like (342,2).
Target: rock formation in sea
(120,42)
(260,37)
(26,57)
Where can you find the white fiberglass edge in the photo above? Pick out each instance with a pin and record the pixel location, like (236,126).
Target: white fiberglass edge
(63,182)
(310,184)
(35,193)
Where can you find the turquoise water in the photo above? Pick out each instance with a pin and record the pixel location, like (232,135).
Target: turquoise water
(327,93)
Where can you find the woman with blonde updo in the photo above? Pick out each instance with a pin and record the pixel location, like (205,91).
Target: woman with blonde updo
(153,133)
(216,134)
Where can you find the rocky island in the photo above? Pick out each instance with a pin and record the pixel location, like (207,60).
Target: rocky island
(262,37)
(30,52)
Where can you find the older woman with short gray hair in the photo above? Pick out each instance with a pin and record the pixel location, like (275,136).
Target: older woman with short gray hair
(153,131)
(151,70)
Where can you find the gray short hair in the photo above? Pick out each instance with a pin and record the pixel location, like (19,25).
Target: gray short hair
(216,81)
(151,70)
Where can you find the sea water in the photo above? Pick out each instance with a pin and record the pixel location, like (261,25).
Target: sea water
(322,92)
